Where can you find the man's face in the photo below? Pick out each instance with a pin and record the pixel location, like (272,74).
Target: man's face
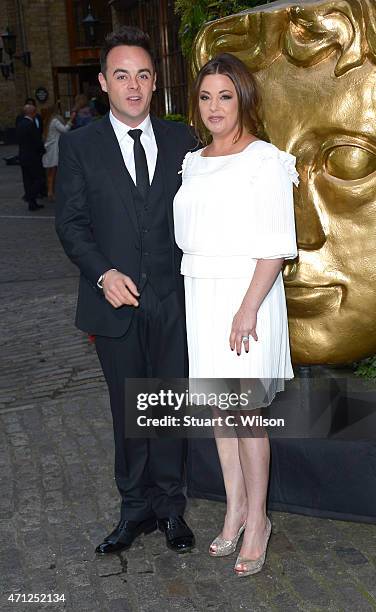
(130,82)
(30,111)
(328,123)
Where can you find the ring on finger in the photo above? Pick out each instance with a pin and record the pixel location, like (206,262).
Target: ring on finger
(245,339)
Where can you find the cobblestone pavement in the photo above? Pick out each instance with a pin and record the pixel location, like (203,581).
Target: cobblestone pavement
(57,495)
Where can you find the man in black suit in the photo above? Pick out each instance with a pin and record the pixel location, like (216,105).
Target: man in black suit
(39,125)
(37,119)
(30,154)
(116,182)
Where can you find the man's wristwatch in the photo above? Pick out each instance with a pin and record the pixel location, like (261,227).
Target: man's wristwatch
(103,276)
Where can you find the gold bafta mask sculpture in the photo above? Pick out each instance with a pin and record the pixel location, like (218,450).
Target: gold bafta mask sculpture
(315,63)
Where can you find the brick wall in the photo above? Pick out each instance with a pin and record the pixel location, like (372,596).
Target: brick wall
(45,32)
(12,91)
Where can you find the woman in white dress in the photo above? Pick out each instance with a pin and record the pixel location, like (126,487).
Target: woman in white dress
(234,221)
(54,127)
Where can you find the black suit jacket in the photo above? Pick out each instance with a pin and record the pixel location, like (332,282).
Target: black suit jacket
(96,218)
(37,116)
(30,143)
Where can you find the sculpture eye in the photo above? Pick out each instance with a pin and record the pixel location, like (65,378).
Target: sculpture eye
(349,162)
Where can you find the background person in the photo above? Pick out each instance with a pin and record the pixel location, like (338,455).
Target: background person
(234,221)
(38,120)
(54,127)
(30,154)
(83,112)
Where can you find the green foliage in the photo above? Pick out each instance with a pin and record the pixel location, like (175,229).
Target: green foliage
(172,117)
(366,367)
(194,13)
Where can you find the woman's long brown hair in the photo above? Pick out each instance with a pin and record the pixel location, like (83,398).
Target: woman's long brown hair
(245,87)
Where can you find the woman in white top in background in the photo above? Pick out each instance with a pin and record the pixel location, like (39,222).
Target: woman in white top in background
(234,221)
(53,128)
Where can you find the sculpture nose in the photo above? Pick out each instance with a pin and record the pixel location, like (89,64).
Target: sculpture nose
(309,229)
(289,271)
(310,233)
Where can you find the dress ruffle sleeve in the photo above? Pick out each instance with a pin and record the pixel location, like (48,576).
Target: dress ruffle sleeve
(273,224)
(185,163)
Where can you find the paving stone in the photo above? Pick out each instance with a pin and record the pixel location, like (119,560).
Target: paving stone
(84,599)
(116,586)
(121,605)
(351,556)
(364,578)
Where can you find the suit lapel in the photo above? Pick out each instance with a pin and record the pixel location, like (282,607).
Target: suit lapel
(167,164)
(114,164)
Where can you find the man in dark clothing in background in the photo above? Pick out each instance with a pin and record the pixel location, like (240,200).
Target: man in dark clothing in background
(30,154)
(37,119)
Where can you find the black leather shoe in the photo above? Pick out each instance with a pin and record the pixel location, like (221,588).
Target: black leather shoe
(35,206)
(179,537)
(114,535)
(124,534)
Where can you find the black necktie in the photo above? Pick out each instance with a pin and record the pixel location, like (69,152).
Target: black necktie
(142,173)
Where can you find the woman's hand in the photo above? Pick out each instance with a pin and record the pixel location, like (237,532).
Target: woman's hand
(243,325)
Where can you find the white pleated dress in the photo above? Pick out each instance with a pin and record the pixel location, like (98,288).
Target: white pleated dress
(229,212)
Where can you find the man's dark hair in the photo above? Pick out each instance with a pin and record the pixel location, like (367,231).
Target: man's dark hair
(30,101)
(125,35)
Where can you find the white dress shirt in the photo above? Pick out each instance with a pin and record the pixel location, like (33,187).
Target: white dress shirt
(126,144)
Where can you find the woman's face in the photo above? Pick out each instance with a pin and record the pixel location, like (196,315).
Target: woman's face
(218,104)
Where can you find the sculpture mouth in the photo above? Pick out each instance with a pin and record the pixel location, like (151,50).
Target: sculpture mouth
(304,301)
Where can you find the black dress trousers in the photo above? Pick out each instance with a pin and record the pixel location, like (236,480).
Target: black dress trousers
(149,473)
(33,180)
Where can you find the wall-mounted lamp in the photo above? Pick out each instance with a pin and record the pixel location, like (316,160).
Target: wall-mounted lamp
(9,46)
(90,24)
